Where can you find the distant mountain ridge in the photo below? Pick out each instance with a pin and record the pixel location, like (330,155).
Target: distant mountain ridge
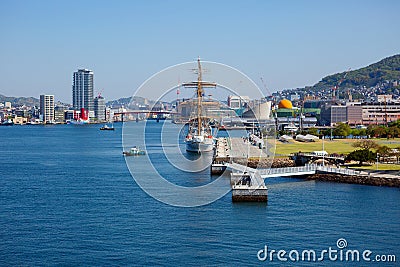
(19,101)
(32,101)
(125,101)
(387,69)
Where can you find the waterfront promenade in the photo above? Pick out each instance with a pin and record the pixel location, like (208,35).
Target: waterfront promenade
(230,149)
(237,148)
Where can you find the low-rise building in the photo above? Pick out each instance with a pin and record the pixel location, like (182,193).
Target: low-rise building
(354,113)
(332,114)
(380,113)
(19,120)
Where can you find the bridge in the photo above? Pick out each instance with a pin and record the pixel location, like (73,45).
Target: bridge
(139,111)
(248,184)
(304,170)
(261,174)
(123,114)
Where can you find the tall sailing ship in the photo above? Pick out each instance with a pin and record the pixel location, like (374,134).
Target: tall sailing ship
(199,137)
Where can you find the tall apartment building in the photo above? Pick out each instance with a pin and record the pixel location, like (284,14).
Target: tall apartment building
(100,108)
(47,108)
(82,90)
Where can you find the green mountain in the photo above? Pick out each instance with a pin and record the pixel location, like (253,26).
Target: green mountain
(19,101)
(385,70)
(125,101)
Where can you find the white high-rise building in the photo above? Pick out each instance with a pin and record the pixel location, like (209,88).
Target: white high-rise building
(47,108)
(82,90)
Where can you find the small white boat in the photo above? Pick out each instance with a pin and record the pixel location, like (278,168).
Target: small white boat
(134,151)
(107,128)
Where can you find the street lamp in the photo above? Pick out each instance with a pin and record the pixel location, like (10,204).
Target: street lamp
(323,151)
(377,160)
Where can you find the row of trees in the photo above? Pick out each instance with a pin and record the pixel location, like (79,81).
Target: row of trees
(365,153)
(343,130)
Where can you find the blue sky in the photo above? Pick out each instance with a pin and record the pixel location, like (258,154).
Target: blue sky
(288,43)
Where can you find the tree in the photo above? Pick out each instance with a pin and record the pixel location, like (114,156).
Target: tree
(384,151)
(326,132)
(380,131)
(355,132)
(395,123)
(361,155)
(371,130)
(363,132)
(393,131)
(342,129)
(365,144)
(313,131)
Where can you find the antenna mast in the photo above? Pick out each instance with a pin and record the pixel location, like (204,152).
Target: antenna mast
(199,95)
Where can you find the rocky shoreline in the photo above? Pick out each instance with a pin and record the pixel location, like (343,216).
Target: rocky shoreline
(355,179)
(267,163)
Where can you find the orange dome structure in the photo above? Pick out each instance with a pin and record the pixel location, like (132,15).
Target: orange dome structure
(284,103)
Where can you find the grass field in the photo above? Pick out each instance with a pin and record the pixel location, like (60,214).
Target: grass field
(339,146)
(381,167)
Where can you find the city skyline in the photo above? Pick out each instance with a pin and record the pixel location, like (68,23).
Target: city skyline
(289,44)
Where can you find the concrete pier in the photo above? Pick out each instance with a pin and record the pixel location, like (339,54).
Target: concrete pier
(244,193)
(218,168)
(229,149)
(247,184)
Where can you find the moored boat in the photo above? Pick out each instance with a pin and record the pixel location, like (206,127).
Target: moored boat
(199,137)
(134,151)
(7,123)
(199,141)
(107,128)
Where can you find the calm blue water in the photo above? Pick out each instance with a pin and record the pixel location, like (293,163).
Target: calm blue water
(67,198)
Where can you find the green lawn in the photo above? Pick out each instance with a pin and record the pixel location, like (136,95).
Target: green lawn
(339,146)
(381,167)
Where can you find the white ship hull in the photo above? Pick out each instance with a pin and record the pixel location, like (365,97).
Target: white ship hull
(198,147)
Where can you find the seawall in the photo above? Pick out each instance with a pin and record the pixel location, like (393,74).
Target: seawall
(355,179)
(267,163)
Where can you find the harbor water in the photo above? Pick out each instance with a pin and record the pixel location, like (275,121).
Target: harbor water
(68,198)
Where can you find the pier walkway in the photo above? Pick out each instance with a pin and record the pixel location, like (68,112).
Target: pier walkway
(256,177)
(247,183)
(237,148)
(305,170)
(260,174)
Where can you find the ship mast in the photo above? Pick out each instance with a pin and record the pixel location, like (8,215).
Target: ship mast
(199,85)
(199,96)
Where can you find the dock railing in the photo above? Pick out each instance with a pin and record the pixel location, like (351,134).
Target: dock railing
(344,171)
(307,169)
